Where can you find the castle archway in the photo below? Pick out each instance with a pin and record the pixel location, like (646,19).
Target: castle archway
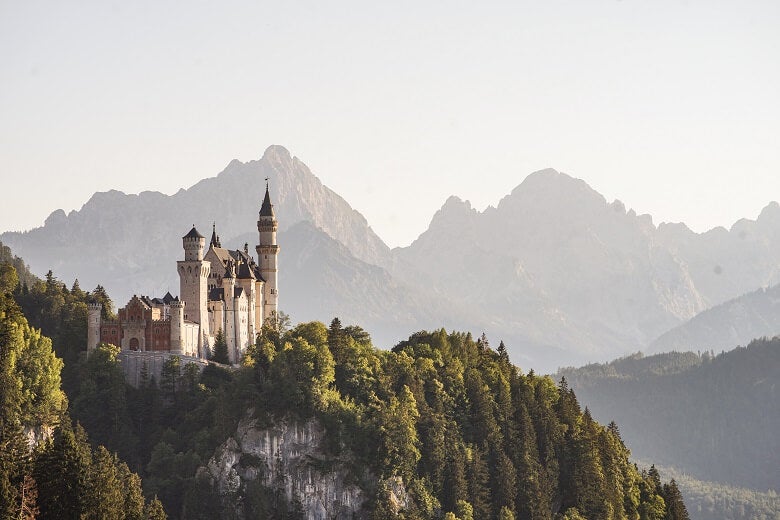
(133,343)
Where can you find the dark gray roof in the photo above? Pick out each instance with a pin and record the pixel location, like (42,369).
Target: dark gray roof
(193,234)
(245,271)
(229,270)
(214,236)
(238,292)
(267,209)
(216,294)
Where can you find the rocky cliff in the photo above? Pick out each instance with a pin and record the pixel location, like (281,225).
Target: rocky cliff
(287,456)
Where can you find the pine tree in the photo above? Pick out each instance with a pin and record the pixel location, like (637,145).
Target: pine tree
(133,498)
(104,497)
(456,486)
(675,506)
(154,510)
(504,355)
(479,479)
(464,510)
(220,349)
(61,472)
(336,339)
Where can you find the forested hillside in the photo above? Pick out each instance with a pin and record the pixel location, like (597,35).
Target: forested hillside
(713,501)
(715,417)
(446,417)
(47,467)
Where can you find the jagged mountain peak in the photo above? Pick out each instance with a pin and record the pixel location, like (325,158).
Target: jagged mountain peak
(454,210)
(278,153)
(770,214)
(553,190)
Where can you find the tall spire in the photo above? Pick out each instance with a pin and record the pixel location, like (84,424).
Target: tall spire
(267,209)
(214,237)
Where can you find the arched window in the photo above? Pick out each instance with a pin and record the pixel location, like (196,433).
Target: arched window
(133,343)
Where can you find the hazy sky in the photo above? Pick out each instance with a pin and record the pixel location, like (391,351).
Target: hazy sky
(671,106)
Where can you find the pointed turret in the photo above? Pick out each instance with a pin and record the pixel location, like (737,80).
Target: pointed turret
(214,237)
(267,209)
(267,256)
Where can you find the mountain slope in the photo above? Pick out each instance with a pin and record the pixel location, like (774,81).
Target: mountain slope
(588,275)
(321,279)
(736,322)
(713,418)
(557,272)
(592,271)
(128,242)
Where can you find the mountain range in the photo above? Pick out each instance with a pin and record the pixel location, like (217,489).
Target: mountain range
(555,270)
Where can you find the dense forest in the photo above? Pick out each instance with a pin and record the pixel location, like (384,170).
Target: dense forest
(61,475)
(730,400)
(450,419)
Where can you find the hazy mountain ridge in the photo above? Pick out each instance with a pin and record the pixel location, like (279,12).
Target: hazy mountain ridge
(735,322)
(713,418)
(322,280)
(610,280)
(557,272)
(128,242)
(597,265)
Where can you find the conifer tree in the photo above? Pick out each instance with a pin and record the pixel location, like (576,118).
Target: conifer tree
(675,506)
(154,510)
(479,479)
(61,471)
(104,494)
(220,349)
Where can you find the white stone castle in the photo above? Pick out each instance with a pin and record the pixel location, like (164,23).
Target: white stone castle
(221,290)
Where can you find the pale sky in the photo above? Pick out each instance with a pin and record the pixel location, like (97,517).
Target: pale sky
(671,106)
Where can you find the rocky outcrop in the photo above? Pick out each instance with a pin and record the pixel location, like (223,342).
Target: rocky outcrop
(288,456)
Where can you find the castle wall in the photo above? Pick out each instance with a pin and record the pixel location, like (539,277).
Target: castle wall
(190,333)
(159,333)
(134,363)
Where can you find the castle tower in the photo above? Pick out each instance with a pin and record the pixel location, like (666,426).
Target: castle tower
(230,326)
(245,278)
(193,283)
(177,324)
(267,253)
(93,325)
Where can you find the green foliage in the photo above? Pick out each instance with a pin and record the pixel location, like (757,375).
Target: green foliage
(23,274)
(62,477)
(61,315)
(101,404)
(29,370)
(154,510)
(220,349)
(442,418)
(713,416)
(8,278)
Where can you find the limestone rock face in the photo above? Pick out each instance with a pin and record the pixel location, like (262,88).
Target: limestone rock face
(287,455)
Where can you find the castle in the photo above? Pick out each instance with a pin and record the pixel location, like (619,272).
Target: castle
(220,290)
